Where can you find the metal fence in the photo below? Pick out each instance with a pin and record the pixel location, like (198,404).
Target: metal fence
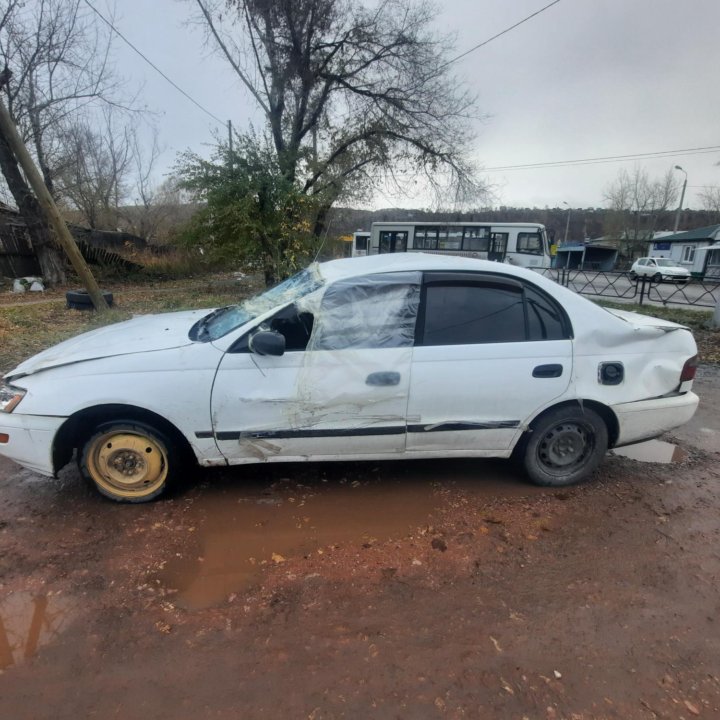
(623,286)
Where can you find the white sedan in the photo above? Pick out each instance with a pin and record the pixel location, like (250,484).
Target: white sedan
(659,269)
(382,357)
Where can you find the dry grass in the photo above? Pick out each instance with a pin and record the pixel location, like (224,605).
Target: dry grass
(29,324)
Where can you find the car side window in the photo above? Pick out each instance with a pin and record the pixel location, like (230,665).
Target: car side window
(470,314)
(375,311)
(295,326)
(468,311)
(545,319)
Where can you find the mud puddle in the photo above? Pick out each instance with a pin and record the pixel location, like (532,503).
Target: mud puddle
(28,622)
(241,533)
(653,451)
(241,529)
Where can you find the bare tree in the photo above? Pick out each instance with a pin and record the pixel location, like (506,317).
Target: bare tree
(353,96)
(56,60)
(710,201)
(635,205)
(93,169)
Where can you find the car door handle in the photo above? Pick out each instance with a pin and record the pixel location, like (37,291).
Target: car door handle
(383,378)
(548,371)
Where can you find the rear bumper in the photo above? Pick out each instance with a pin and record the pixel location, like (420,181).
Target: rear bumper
(649,418)
(31,440)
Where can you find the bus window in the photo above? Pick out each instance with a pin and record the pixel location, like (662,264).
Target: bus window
(529,243)
(476,239)
(451,239)
(391,241)
(361,242)
(426,238)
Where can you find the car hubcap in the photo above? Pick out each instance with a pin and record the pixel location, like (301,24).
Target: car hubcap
(564,446)
(127,464)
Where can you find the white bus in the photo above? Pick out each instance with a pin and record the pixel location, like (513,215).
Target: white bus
(524,244)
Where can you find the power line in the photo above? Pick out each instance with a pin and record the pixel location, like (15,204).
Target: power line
(608,158)
(500,34)
(151,63)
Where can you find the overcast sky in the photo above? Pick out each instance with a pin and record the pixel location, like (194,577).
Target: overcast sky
(584,79)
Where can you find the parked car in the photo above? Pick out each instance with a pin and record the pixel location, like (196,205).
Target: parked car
(659,269)
(382,357)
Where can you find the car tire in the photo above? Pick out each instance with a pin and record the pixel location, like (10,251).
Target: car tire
(657,278)
(80,300)
(565,446)
(633,275)
(130,461)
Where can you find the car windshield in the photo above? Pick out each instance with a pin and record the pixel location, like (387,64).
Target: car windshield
(665,263)
(226,319)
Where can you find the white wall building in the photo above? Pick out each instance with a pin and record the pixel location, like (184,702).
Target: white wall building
(697,250)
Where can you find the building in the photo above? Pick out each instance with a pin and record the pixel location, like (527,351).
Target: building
(596,254)
(697,250)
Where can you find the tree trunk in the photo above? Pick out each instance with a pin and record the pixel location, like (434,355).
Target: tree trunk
(48,254)
(321,219)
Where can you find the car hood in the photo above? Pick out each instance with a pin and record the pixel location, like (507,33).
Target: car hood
(147,333)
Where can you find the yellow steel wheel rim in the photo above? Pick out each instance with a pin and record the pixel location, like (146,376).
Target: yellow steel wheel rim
(127,464)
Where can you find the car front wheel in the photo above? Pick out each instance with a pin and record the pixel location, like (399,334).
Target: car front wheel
(566,445)
(129,461)
(657,277)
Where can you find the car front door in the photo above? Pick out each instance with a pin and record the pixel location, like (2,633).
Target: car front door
(490,352)
(341,391)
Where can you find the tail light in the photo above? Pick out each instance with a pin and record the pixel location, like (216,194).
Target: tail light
(689,369)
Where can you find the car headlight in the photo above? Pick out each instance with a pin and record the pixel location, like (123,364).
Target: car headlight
(10,397)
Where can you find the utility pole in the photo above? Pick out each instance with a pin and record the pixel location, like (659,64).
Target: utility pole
(35,180)
(682,198)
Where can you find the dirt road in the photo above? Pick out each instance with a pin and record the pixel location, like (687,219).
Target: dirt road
(394,590)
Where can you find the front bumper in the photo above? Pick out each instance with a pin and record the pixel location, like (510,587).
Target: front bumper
(31,440)
(649,418)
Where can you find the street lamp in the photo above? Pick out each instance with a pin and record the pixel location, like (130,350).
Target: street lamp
(567,224)
(682,197)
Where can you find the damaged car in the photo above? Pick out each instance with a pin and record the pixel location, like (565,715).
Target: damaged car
(384,357)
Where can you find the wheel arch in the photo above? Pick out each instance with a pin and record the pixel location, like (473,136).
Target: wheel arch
(604,411)
(81,425)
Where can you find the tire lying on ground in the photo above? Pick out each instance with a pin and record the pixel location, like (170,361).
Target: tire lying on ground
(80,300)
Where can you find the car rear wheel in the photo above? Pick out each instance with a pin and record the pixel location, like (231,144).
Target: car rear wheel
(129,461)
(657,277)
(566,445)
(633,275)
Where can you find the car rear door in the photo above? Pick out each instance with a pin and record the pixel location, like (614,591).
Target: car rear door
(490,351)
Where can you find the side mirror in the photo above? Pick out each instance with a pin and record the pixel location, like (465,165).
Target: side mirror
(267,342)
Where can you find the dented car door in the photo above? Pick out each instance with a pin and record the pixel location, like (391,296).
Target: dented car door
(344,394)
